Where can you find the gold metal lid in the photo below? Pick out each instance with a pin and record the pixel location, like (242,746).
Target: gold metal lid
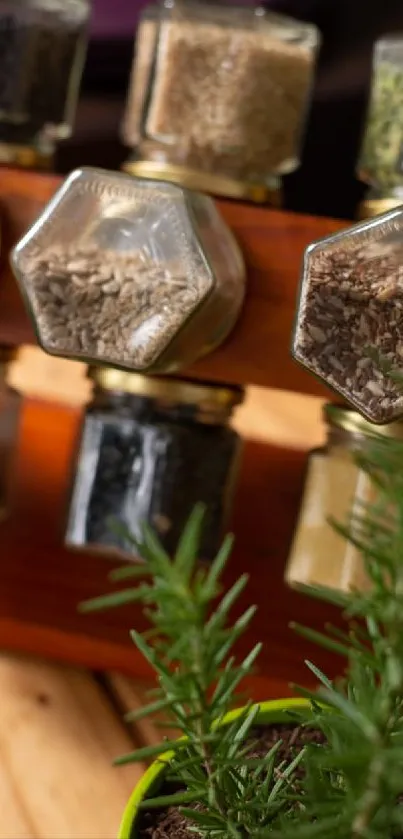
(352,422)
(24,157)
(372,207)
(205,395)
(204,182)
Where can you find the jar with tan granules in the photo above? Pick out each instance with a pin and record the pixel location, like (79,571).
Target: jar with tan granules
(130,273)
(218,96)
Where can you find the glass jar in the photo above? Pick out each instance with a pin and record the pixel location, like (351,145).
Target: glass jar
(150,449)
(381,159)
(10,405)
(218,96)
(335,488)
(349,322)
(130,273)
(42,50)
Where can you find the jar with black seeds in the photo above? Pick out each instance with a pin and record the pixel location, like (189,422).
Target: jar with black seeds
(149,450)
(42,50)
(10,411)
(349,323)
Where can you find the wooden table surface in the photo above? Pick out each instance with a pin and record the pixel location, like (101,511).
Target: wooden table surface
(41,583)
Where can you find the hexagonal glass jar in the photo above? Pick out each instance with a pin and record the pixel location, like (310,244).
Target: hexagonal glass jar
(218,96)
(42,51)
(129,273)
(349,323)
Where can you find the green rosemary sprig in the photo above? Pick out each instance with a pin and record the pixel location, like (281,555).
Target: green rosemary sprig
(191,650)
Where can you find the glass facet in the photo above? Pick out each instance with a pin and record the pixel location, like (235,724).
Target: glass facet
(349,323)
(131,273)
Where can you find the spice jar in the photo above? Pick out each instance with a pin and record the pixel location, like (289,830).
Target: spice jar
(218,96)
(336,489)
(10,404)
(150,449)
(381,160)
(349,323)
(130,273)
(42,50)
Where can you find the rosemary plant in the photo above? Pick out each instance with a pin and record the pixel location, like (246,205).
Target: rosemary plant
(347,788)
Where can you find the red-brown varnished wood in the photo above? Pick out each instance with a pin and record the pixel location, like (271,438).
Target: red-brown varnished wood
(41,583)
(273,244)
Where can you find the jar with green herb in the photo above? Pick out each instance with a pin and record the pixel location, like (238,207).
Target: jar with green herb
(42,50)
(381,158)
(151,448)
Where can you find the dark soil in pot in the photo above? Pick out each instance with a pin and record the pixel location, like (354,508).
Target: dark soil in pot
(170,824)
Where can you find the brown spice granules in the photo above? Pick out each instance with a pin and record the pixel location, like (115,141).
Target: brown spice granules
(110,306)
(224,99)
(352,303)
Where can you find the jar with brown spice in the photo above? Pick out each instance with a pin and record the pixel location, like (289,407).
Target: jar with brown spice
(42,50)
(150,449)
(130,273)
(335,490)
(218,96)
(10,405)
(349,322)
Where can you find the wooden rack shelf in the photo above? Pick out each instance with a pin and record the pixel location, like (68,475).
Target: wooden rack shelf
(41,583)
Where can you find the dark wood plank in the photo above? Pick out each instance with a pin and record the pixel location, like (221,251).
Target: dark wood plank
(41,583)
(273,243)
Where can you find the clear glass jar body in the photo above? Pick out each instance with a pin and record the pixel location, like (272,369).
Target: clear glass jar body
(349,325)
(220,89)
(130,273)
(143,460)
(42,50)
(335,488)
(10,411)
(381,158)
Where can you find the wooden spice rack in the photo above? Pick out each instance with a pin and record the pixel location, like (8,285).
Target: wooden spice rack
(41,583)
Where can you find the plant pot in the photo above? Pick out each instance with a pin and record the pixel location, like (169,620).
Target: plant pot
(271,712)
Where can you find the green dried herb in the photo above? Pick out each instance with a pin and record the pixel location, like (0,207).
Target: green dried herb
(381,155)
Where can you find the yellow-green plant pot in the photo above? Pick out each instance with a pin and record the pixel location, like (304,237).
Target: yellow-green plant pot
(272,712)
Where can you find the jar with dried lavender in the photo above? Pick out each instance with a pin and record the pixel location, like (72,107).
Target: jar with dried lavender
(42,49)
(349,322)
(131,273)
(218,96)
(335,490)
(381,158)
(150,448)
(10,405)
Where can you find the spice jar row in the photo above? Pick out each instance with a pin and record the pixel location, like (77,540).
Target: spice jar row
(336,491)
(128,272)
(42,51)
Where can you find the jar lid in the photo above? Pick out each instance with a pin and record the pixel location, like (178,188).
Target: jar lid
(353,423)
(186,391)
